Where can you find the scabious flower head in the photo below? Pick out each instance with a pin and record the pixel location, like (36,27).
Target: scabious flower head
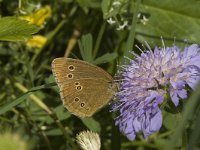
(147,80)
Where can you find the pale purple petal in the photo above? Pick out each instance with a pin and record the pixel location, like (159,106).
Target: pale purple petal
(192,82)
(137,125)
(131,136)
(174,97)
(155,124)
(182,93)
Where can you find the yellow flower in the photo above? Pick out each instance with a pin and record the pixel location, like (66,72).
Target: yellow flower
(37,41)
(38,17)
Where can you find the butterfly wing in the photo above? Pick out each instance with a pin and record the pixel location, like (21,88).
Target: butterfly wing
(84,88)
(83,100)
(66,69)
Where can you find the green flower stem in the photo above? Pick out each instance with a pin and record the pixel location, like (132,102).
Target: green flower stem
(166,134)
(184,141)
(140,143)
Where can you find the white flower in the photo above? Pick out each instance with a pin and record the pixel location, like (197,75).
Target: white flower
(111,21)
(121,27)
(88,140)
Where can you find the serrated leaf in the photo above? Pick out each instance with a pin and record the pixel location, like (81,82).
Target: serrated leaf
(14,29)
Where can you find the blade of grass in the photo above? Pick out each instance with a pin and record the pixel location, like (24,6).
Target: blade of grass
(8,106)
(131,37)
(98,41)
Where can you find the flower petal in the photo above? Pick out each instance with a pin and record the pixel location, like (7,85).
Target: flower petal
(174,97)
(155,124)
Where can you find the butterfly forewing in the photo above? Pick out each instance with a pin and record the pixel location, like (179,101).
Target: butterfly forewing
(65,69)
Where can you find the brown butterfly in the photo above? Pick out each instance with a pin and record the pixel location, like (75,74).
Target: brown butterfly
(84,88)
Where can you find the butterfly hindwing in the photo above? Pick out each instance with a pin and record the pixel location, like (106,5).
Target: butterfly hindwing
(83,100)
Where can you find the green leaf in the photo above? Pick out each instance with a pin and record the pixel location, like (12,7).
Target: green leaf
(170,19)
(60,112)
(54,132)
(81,50)
(14,29)
(170,121)
(86,46)
(92,124)
(105,58)
(188,113)
(195,135)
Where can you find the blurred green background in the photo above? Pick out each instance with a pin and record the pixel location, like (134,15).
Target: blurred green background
(101,32)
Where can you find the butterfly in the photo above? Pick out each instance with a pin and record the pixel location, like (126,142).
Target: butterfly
(84,88)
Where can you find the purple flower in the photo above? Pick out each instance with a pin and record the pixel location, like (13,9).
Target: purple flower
(147,80)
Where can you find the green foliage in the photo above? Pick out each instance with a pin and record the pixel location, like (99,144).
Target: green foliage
(86,47)
(92,124)
(178,19)
(30,104)
(14,29)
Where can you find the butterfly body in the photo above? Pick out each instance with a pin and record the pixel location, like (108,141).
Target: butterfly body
(84,88)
